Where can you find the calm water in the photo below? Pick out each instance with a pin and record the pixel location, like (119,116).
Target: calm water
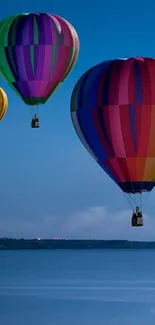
(77,287)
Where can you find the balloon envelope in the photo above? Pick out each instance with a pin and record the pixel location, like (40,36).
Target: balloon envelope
(3,103)
(113,112)
(37,52)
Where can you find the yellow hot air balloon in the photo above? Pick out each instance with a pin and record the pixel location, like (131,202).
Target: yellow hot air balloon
(3,103)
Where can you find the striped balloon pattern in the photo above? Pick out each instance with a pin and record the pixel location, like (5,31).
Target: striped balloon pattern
(3,103)
(37,52)
(113,112)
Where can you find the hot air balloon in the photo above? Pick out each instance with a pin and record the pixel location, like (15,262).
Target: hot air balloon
(37,52)
(3,103)
(113,113)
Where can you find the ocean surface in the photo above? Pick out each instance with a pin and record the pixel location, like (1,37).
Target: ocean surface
(77,287)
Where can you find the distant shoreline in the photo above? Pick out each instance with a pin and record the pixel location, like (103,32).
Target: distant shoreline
(31,244)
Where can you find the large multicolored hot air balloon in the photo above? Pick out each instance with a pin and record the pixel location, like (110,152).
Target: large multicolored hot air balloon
(113,112)
(3,103)
(37,52)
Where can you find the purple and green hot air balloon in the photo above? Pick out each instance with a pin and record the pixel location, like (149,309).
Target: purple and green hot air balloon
(37,52)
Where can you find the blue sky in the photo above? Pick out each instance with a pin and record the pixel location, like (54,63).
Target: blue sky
(50,185)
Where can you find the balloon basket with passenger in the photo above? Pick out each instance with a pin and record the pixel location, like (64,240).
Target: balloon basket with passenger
(34,111)
(137,201)
(35,123)
(137,218)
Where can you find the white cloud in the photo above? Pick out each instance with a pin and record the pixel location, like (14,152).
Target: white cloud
(95,222)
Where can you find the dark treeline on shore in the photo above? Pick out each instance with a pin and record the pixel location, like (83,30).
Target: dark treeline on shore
(22,244)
